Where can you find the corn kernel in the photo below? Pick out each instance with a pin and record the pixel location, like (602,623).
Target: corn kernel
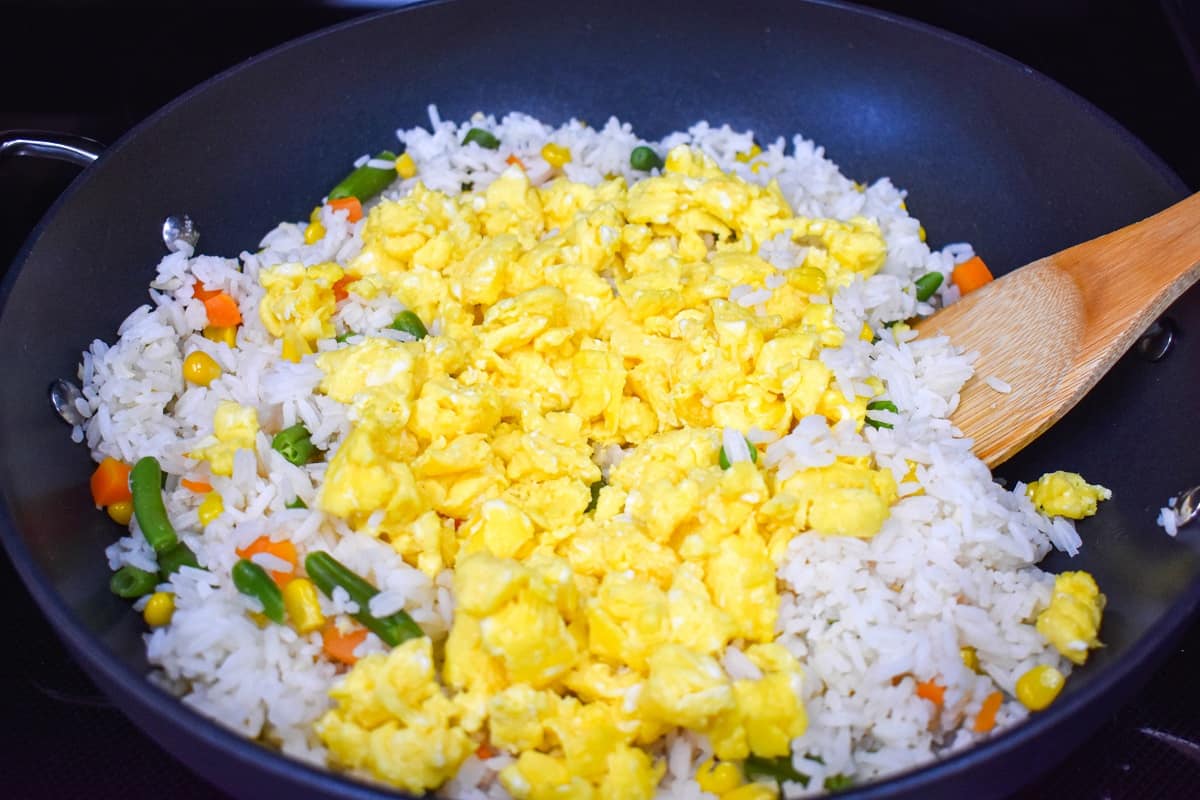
(314,233)
(921,232)
(121,512)
(405,166)
(294,348)
(315,215)
(718,778)
(210,508)
(860,187)
(866,334)
(757,166)
(970,659)
(1038,687)
(303,606)
(555,154)
(752,791)
(217,333)
(159,609)
(200,368)
(748,156)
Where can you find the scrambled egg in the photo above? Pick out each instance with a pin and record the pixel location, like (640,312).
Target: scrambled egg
(1072,620)
(1066,494)
(234,428)
(571,318)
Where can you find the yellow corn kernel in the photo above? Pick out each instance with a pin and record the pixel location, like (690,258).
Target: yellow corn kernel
(303,606)
(555,154)
(752,791)
(159,609)
(718,778)
(903,206)
(201,368)
(315,215)
(748,156)
(866,334)
(970,659)
(314,233)
(216,333)
(405,166)
(210,508)
(121,512)
(756,166)
(1038,687)
(921,232)
(860,187)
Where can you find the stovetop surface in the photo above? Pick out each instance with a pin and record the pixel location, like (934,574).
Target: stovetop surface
(115,65)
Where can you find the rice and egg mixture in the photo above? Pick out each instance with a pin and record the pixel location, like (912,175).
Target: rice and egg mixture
(674,505)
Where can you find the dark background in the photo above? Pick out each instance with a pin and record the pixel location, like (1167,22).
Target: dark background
(99,68)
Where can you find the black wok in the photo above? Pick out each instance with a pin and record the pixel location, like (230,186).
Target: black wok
(990,152)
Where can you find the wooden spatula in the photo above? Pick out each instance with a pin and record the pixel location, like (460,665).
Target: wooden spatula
(1052,328)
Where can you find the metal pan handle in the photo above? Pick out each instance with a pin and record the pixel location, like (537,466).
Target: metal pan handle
(78,150)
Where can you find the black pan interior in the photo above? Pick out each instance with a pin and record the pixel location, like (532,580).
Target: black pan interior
(990,152)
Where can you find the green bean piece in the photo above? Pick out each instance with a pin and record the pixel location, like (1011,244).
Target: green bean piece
(131,582)
(723,458)
(881,405)
(342,337)
(645,159)
(838,783)
(409,322)
(482,138)
(295,502)
(777,769)
(178,556)
(145,484)
(366,181)
(253,581)
(927,284)
(595,487)
(328,573)
(294,444)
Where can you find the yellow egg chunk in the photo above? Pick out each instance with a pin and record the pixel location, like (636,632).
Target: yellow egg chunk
(234,428)
(392,719)
(1072,620)
(299,301)
(1066,494)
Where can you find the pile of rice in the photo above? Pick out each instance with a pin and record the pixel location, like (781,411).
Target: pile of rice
(953,566)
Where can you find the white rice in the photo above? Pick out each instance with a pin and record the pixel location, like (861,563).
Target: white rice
(954,564)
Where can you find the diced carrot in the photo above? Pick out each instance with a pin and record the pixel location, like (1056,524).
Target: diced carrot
(201,293)
(930,691)
(986,719)
(110,483)
(223,311)
(512,159)
(971,274)
(350,205)
(282,549)
(340,646)
(199,487)
(340,292)
(484,751)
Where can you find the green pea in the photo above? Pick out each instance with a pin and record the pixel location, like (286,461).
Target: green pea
(131,582)
(645,159)
(409,322)
(927,284)
(294,444)
(482,138)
